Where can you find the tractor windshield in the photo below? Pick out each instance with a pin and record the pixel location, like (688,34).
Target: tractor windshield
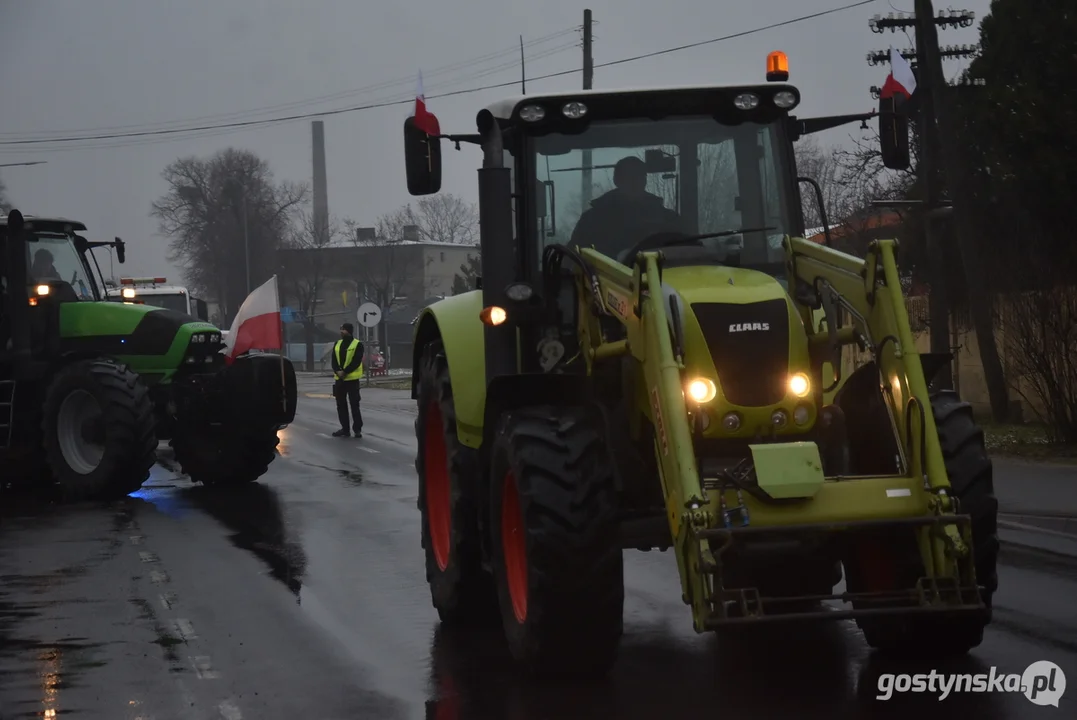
(168,301)
(52,257)
(621,181)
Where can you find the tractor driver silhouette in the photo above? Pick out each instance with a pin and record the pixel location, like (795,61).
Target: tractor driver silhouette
(620,219)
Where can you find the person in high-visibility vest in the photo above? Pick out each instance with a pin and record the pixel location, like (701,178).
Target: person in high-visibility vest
(347,372)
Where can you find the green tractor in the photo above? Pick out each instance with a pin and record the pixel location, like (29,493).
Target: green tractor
(671,372)
(88,386)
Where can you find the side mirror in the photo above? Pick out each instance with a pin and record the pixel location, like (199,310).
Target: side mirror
(121,250)
(422,159)
(201,310)
(894,133)
(657,161)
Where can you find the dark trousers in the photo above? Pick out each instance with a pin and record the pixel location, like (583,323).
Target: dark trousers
(347,393)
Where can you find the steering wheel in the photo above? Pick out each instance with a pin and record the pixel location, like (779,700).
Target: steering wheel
(661,239)
(666,238)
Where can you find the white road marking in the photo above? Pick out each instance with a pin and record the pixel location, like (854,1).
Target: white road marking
(168,599)
(203,668)
(136,539)
(148,557)
(185,629)
(158,578)
(369,450)
(229,711)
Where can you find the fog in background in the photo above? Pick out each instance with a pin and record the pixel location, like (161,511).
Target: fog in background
(98,67)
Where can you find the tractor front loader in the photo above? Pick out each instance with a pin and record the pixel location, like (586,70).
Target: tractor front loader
(84,382)
(669,372)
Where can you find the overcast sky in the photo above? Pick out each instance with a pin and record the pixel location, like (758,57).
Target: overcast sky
(76,67)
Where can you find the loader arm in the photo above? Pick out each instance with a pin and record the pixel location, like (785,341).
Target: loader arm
(637,299)
(870,291)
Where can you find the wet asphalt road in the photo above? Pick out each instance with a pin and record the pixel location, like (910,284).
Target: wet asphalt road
(303,596)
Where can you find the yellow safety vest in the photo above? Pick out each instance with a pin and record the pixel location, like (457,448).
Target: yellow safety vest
(345,361)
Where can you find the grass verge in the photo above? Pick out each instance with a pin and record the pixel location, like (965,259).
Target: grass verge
(1028,441)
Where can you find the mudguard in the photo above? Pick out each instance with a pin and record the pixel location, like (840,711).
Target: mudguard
(455,320)
(256,386)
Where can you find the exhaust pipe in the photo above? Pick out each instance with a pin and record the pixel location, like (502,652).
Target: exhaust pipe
(18,291)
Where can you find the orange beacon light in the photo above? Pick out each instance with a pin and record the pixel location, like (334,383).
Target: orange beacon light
(777,67)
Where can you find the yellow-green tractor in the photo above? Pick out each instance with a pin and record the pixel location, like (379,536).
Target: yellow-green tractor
(660,366)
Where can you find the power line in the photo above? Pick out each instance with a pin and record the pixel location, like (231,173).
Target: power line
(187,134)
(244,124)
(364,90)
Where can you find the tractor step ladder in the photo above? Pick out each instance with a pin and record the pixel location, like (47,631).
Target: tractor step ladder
(7,412)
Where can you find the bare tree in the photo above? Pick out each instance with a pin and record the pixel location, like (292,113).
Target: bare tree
(447,218)
(1039,333)
(222,214)
(305,269)
(5,202)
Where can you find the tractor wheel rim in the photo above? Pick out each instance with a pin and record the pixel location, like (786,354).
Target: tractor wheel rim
(437,487)
(514,546)
(81,455)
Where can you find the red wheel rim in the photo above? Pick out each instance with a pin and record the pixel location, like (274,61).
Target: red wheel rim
(514,546)
(437,488)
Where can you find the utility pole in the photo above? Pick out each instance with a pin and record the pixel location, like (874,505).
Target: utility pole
(588,76)
(246,242)
(523,69)
(926,60)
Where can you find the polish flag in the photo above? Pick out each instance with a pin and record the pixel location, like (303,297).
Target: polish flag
(257,325)
(901,79)
(424,120)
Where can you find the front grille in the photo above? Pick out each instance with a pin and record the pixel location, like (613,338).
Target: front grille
(750,348)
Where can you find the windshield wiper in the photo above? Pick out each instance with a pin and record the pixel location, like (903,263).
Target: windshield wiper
(727,233)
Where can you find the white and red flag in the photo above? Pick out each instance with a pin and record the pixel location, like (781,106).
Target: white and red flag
(424,120)
(257,325)
(901,80)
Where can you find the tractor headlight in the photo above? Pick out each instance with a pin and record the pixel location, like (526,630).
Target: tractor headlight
(701,390)
(746,101)
(532,113)
(779,418)
(731,422)
(574,110)
(519,292)
(799,385)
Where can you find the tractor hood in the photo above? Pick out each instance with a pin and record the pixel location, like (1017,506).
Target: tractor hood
(124,330)
(741,328)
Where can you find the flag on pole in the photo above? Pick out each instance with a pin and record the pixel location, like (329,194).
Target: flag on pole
(901,80)
(424,120)
(258,324)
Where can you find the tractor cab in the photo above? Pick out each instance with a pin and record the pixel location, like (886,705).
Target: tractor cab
(57,267)
(705,171)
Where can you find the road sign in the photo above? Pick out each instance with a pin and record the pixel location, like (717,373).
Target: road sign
(368,315)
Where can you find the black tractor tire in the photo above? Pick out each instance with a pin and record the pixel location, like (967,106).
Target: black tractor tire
(124,430)
(971,475)
(557,556)
(215,456)
(461,590)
